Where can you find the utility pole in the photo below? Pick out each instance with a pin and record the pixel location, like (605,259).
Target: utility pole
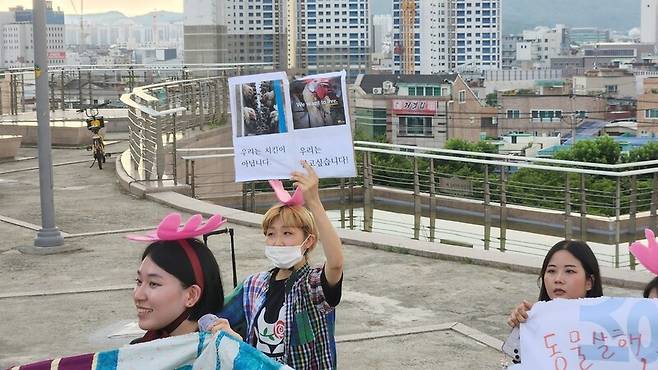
(49,235)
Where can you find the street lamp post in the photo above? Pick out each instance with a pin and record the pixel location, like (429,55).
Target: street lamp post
(49,235)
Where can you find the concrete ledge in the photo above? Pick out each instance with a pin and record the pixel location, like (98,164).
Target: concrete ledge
(9,145)
(71,134)
(140,188)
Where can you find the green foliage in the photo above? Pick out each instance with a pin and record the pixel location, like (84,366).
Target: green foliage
(647,152)
(601,150)
(492,99)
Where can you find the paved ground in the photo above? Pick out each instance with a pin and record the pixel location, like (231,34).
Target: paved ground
(70,303)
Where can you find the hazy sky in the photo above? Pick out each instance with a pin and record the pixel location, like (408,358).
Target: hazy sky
(127,7)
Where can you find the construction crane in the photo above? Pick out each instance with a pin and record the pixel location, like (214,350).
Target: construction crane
(408,33)
(83,36)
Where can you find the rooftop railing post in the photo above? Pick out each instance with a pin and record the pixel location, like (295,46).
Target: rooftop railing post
(51,84)
(61,91)
(252,197)
(417,205)
(654,201)
(159,146)
(368,196)
(351,202)
(583,208)
(341,198)
(193,179)
(23,92)
(617,219)
(503,208)
(487,209)
(174,148)
(432,201)
(632,213)
(245,192)
(89,85)
(202,116)
(568,228)
(79,88)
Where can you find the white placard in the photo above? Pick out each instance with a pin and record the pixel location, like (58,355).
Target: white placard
(595,333)
(277,124)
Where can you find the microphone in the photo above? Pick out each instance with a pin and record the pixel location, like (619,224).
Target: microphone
(207,321)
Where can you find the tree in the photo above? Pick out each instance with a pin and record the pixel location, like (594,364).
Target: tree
(492,99)
(603,149)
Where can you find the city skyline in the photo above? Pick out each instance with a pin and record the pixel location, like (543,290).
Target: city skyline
(127,7)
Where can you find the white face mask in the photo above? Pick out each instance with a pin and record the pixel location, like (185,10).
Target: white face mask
(285,257)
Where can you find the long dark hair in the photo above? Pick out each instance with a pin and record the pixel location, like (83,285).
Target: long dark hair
(653,284)
(584,254)
(170,256)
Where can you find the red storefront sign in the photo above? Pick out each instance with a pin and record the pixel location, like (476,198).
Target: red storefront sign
(56,55)
(423,107)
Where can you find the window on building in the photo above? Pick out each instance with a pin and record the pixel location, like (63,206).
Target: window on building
(546,115)
(415,126)
(611,89)
(513,114)
(462,96)
(651,113)
(412,91)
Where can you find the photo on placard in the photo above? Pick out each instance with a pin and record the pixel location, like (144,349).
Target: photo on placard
(317,101)
(260,107)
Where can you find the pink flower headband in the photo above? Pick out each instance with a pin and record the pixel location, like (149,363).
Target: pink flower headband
(648,256)
(297,199)
(169,229)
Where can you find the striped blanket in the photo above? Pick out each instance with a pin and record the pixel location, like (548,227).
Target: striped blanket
(184,352)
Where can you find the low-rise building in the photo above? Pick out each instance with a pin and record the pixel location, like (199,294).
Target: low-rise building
(647,108)
(605,82)
(526,145)
(545,115)
(421,110)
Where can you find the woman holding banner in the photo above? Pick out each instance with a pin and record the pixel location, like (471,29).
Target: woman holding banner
(570,270)
(288,311)
(178,280)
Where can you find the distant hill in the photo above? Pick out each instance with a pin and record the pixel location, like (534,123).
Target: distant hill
(618,15)
(118,17)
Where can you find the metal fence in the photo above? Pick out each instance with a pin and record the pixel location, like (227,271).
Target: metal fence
(489,190)
(161,113)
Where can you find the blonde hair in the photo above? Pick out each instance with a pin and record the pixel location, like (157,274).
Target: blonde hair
(292,216)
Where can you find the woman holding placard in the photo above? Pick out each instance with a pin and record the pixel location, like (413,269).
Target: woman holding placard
(570,270)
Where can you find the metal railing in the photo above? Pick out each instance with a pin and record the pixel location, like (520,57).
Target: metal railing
(72,86)
(431,184)
(160,114)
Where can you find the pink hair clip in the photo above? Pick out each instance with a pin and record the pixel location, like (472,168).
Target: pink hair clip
(169,228)
(284,197)
(648,256)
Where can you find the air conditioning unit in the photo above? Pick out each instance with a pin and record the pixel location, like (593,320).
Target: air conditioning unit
(377,90)
(388,85)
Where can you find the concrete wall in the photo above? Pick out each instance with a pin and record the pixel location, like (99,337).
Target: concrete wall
(9,145)
(61,136)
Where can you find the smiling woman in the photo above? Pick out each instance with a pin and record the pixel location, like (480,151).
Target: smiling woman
(177,283)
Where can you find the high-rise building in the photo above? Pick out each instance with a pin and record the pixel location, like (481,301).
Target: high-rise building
(309,36)
(17,44)
(235,31)
(649,22)
(332,35)
(456,35)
